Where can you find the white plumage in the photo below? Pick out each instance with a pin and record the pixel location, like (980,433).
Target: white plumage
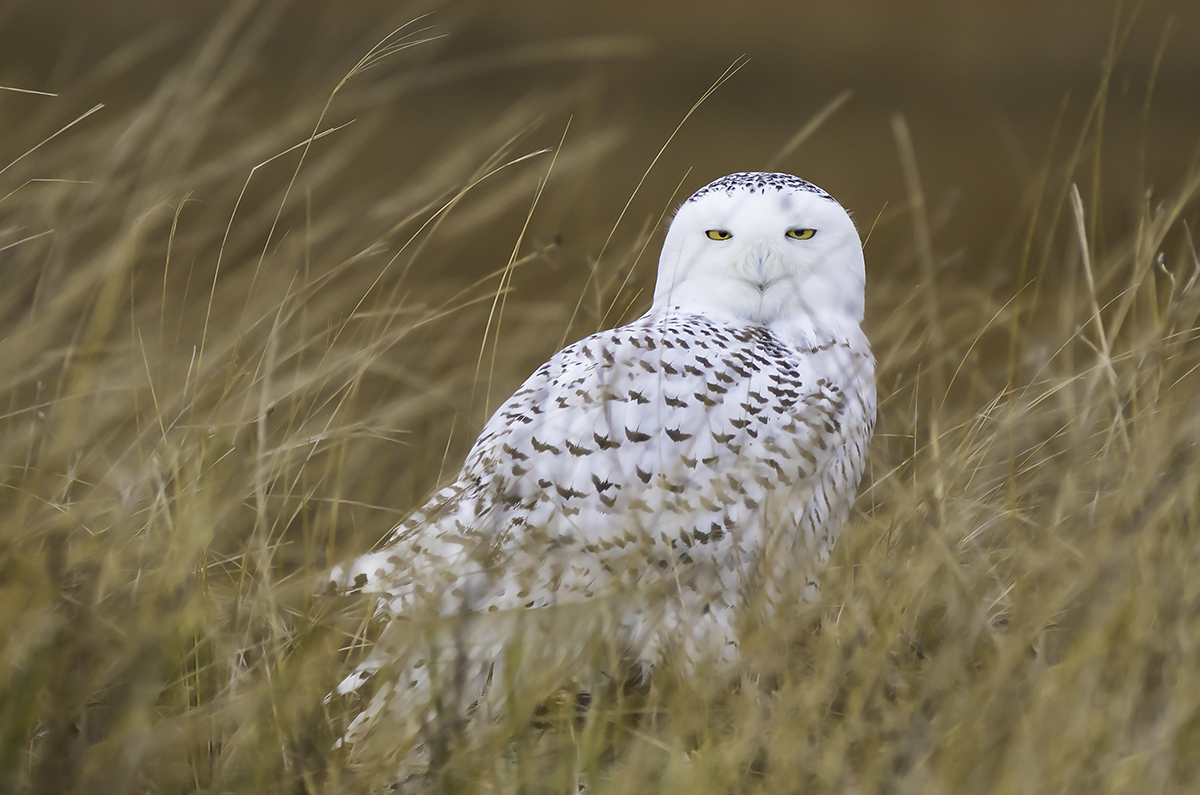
(665,472)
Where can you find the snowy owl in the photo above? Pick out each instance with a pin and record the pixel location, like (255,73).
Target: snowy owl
(652,481)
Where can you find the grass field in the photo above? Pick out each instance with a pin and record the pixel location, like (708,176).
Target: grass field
(226,365)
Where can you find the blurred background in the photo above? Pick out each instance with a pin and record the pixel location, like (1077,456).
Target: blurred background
(982,86)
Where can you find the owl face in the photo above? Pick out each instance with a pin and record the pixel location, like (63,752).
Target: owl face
(763,248)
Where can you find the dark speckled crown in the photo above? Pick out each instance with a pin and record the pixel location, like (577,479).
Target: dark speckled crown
(759,182)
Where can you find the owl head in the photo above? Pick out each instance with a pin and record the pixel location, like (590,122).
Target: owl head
(763,248)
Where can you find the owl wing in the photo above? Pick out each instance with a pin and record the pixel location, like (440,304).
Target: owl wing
(631,452)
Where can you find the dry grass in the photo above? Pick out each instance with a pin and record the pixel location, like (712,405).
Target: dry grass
(225,368)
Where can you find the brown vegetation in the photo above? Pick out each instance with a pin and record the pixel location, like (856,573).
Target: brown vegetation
(240,337)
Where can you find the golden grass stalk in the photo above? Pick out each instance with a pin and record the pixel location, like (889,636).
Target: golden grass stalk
(225,368)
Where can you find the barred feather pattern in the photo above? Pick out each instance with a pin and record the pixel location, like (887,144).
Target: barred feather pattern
(714,458)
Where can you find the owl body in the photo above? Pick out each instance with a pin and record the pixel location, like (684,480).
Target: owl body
(669,472)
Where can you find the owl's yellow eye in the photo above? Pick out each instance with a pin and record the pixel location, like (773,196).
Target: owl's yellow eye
(719,234)
(800,234)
